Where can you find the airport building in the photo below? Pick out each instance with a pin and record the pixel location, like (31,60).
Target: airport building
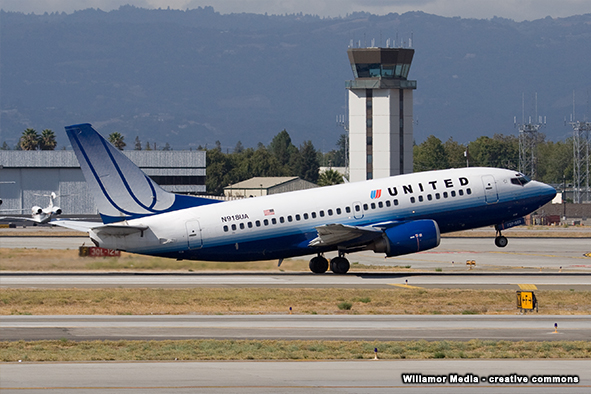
(27,178)
(380,113)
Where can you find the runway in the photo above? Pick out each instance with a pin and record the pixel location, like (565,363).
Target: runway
(305,327)
(367,376)
(464,280)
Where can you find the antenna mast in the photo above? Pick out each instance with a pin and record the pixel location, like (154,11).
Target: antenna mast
(581,145)
(528,139)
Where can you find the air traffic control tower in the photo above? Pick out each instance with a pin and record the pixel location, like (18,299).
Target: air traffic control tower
(380,113)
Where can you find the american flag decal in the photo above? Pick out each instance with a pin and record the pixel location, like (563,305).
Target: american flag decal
(268,212)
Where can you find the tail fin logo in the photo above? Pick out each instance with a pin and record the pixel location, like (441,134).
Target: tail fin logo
(376,194)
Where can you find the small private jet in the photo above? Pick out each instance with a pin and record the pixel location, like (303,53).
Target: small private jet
(38,215)
(395,216)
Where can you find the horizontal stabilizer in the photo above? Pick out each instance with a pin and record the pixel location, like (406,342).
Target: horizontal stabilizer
(116,229)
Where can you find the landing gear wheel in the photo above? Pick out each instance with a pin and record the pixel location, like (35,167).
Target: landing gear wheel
(339,265)
(501,241)
(318,265)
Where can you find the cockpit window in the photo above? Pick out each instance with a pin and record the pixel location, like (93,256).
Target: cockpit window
(520,180)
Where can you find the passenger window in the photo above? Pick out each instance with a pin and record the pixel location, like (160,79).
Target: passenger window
(444,194)
(412,200)
(468,191)
(266,222)
(395,202)
(258,223)
(357,208)
(249,224)
(298,216)
(306,216)
(313,215)
(241,226)
(321,214)
(461,192)
(388,203)
(437,196)
(339,211)
(373,205)
(329,212)
(420,198)
(226,228)
(274,221)
(365,207)
(289,218)
(233,227)
(281,219)
(453,193)
(380,204)
(348,209)
(429,197)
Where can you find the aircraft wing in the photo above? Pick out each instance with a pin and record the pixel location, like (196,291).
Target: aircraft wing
(334,234)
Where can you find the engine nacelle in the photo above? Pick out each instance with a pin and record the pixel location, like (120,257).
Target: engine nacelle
(406,238)
(37,210)
(56,211)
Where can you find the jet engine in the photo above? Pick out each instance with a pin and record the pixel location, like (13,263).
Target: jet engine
(409,237)
(56,211)
(37,210)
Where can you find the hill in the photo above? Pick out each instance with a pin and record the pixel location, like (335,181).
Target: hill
(193,77)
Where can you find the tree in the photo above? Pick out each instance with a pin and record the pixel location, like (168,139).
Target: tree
(306,163)
(47,140)
(5,146)
(137,143)
(167,147)
(430,155)
(455,153)
(29,140)
(329,177)
(148,147)
(342,154)
(239,148)
(282,148)
(116,139)
(500,151)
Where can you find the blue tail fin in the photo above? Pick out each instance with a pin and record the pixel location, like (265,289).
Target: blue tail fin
(121,190)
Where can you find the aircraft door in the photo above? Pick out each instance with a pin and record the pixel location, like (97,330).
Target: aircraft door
(357,210)
(194,234)
(490,189)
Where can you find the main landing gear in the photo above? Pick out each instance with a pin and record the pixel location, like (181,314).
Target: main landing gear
(338,265)
(500,240)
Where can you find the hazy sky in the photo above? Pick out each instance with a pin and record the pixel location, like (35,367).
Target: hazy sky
(517,10)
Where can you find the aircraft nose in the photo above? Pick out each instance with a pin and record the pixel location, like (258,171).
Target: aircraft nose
(546,190)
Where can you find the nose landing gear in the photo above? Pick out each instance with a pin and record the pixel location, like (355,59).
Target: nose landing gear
(500,240)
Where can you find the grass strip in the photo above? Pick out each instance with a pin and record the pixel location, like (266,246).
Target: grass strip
(64,350)
(136,301)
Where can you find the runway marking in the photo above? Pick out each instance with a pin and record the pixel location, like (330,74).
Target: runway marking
(527,286)
(405,286)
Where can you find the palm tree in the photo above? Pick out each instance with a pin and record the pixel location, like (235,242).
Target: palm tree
(29,140)
(47,140)
(330,177)
(116,139)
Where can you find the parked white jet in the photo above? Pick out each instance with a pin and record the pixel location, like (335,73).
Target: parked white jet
(395,216)
(38,214)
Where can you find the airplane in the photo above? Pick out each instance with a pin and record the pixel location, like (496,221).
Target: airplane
(395,216)
(39,215)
